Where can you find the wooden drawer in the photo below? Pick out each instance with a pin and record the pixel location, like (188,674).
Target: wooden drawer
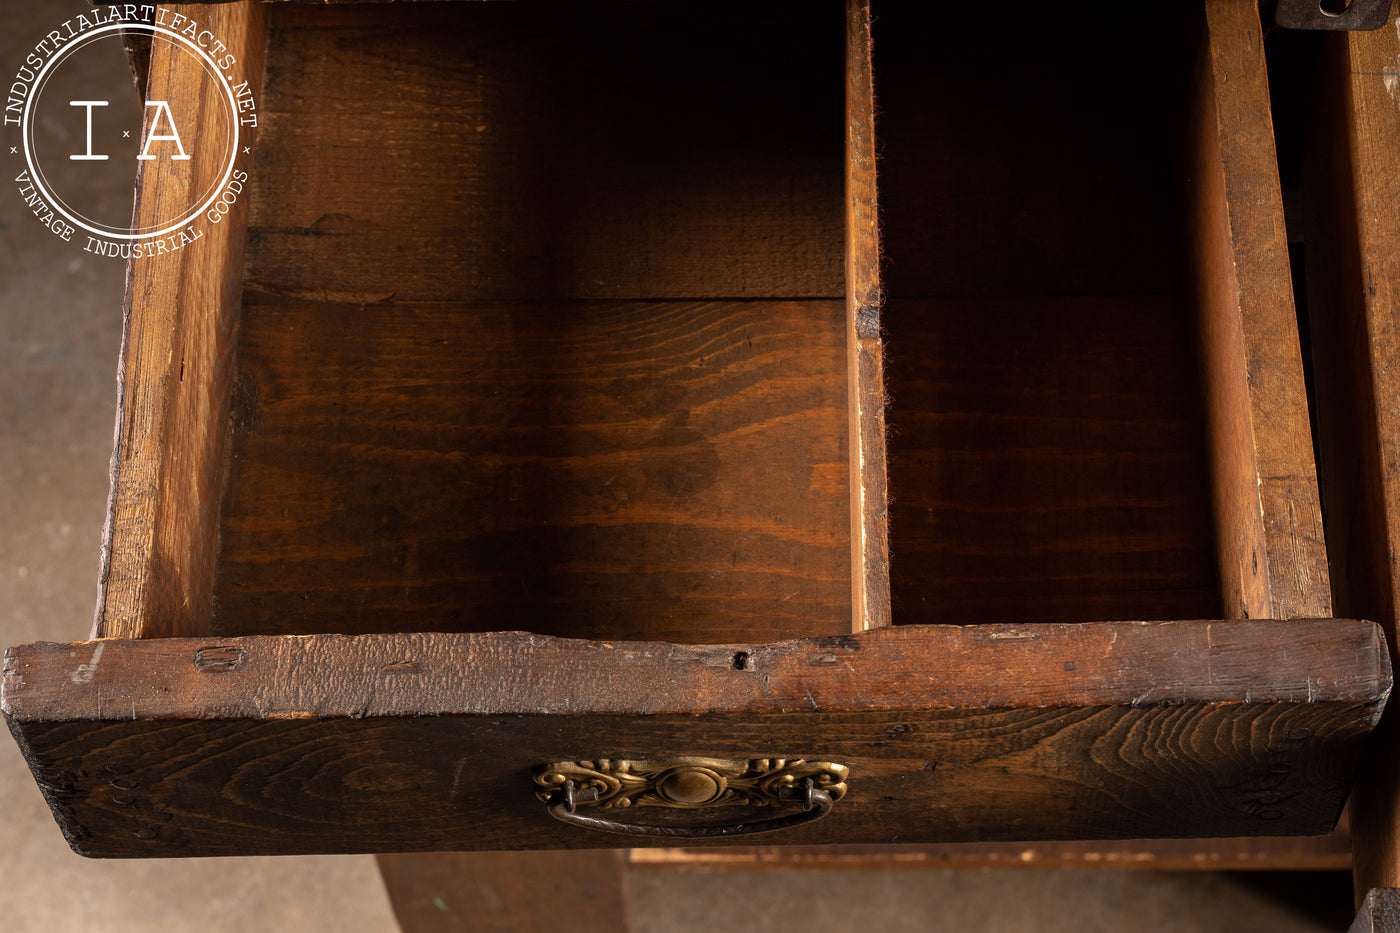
(532,408)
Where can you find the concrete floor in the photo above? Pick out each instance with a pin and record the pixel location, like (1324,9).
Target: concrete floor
(60,322)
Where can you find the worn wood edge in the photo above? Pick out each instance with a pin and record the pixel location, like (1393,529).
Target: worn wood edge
(1261,853)
(1272,548)
(1352,184)
(870,574)
(204,773)
(1378,912)
(137,46)
(1237,508)
(897,668)
(180,311)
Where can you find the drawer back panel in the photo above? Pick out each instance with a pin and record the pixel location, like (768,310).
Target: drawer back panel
(543,325)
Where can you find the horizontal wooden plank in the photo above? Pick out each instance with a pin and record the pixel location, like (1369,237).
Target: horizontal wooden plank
(646,470)
(1047,461)
(428,741)
(576,150)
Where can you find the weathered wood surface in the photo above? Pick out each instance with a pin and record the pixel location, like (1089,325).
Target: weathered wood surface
(508,892)
(671,470)
(175,376)
(502,151)
(1351,189)
(1269,535)
(1379,912)
(870,561)
(426,742)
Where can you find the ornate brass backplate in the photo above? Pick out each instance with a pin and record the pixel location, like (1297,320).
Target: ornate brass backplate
(692,783)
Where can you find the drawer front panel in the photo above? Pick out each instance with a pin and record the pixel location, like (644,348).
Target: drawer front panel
(276,745)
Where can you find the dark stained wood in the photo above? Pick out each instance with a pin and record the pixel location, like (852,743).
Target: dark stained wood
(1351,187)
(1379,912)
(176,374)
(487,413)
(508,892)
(1010,166)
(870,571)
(1068,441)
(670,470)
(1047,462)
(551,150)
(1046,453)
(1273,560)
(426,742)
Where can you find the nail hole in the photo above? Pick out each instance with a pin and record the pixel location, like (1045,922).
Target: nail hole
(741,660)
(1333,7)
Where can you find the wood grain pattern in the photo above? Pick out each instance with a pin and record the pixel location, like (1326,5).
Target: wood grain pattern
(1273,559)
(457,420)
(1068,440)
(426,742)
(1047,462)
(1351,187)
(1379,912)
(159,547)
(606,469)
(870,566)
(508,892)
(1046,453)
(554,150)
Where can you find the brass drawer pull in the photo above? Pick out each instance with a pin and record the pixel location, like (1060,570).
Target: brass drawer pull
(691,783)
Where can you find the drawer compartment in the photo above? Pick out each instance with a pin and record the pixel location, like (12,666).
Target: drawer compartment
(533,411)
(1097,398)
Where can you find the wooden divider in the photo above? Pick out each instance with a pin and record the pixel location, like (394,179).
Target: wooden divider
(175,379)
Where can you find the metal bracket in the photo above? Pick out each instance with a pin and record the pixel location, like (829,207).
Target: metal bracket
(1332,14)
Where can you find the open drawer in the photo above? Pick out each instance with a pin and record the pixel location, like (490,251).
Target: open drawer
(525,421)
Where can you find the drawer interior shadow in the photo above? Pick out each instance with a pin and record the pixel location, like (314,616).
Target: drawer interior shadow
(1048,447)
(544,325)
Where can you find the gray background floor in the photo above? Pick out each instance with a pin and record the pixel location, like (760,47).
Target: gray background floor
(60,324)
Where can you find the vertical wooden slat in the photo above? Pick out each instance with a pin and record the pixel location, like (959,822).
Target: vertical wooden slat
(175,376)
(1272,555)
(1351,197)
(870,585)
